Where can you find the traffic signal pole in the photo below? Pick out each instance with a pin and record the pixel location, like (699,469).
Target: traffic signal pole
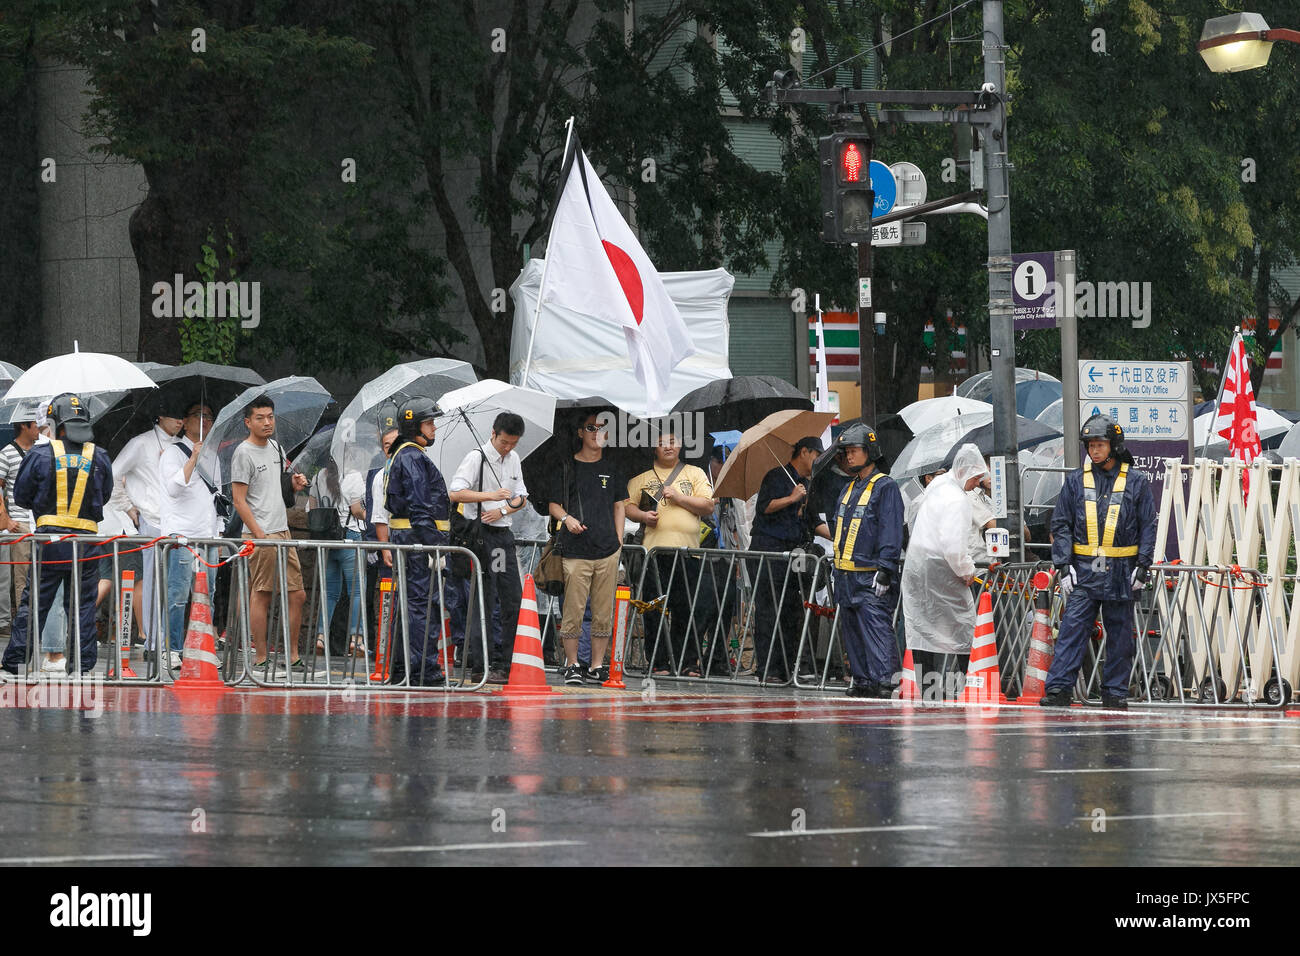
(985,109)
(866,335)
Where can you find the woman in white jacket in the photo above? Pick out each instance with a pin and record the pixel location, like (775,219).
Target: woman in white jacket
(938,608)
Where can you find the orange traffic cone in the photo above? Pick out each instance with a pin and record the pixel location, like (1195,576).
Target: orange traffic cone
(385,629)
(527,671)
(446,649)
(908,689)
(622,598)
(983,680)
(199,670)
(1041,648)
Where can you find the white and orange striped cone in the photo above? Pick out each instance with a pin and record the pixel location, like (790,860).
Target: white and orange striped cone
(527,670)
(908,689)
(983,680)
(1041,648)
(446,648)
(199,669)
(125,611)
(622,602)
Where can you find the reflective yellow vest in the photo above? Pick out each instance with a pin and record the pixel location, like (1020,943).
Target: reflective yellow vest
(67,508)
(844,543)
(1106,546)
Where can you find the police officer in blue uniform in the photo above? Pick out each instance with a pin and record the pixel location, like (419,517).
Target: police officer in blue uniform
(1103,542)
(866,532)
(420,513)
(66,484)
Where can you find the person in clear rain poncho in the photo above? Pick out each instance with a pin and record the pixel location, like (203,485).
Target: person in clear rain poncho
(937,573)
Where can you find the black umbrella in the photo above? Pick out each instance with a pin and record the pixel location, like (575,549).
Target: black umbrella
(544,467)
(178,387)
(740,403)
(1028,433)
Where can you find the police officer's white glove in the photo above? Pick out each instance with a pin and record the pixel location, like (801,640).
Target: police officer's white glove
(1067,577)
(1138,581)
(881,583)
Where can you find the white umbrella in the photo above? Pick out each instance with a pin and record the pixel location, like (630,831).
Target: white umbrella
(467,419)
(1268,424)
(81,372)
(931,411)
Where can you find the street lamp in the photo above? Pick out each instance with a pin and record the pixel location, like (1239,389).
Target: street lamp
(1239,41)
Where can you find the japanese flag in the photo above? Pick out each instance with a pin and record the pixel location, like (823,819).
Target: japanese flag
(595,266)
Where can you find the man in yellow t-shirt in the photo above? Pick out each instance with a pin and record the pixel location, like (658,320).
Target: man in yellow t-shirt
(682,495)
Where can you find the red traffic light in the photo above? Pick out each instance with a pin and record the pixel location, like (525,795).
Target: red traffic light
(851,163)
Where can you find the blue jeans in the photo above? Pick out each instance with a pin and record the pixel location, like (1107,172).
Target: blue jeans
(340,573)
(180,578)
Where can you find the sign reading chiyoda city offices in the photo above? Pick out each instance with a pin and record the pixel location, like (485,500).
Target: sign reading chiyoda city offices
(1149,400)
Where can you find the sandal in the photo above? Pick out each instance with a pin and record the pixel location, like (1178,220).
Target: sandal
(358,646)
(320,644)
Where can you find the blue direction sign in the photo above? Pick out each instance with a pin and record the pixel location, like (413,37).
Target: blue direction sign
(884,186)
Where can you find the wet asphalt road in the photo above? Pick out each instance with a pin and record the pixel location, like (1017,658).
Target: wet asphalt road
(598,777)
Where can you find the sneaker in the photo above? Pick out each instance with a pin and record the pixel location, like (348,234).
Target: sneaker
(1114,703)
(497,675)
(597,675)
(1061,697)
(175,660)
(59,668)
(572,674)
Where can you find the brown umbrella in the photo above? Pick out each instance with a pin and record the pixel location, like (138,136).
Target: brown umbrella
(767,445)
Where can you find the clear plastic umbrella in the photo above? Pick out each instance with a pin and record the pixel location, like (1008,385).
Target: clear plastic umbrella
(931,411)
(926,452)
(299,403)
(356,439)
(981,386)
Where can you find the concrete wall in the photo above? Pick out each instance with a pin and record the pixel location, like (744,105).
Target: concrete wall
(90,286)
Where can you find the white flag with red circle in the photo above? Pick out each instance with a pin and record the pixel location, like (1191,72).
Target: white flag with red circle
(595,266)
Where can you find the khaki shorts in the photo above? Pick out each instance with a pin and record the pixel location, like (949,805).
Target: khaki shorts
(262,570)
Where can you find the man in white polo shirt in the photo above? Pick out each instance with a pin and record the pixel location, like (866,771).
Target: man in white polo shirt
(491,478)
(136,494)
(187,508)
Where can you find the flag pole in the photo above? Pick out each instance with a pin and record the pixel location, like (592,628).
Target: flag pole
(546,265)
(1223,380)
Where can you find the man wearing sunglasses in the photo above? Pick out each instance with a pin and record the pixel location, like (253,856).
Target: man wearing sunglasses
(590,512)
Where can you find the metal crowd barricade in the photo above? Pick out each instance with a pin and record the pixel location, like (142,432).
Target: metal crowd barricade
(109,552)
(1207,629)
(698,609)
(323,670)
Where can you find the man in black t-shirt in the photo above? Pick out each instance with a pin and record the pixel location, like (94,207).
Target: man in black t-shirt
(590,513)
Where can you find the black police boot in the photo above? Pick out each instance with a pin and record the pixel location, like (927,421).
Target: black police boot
(1113,703)
(858,690)
(1061,697)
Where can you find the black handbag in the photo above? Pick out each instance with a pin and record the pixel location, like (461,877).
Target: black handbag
(323,522)
(467,533)
(548,573)
(288,493)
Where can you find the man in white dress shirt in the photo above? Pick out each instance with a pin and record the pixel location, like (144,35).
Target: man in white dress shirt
(491,478)
(188,508)
(136,494)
